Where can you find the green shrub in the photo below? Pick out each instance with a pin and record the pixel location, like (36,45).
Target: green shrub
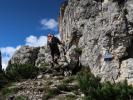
(21,97)
(94,90)
(70,97)
(88,82)
(50,93)
(78,50)
(3,79)
(43,67)
(63,87)
(21,71)
(6,91)
(69,80)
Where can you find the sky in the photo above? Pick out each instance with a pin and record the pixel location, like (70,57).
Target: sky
(26,22)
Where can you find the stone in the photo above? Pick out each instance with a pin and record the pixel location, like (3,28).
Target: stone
(43,57)
(82,95)
(11,97)
(39,76)
(25,55)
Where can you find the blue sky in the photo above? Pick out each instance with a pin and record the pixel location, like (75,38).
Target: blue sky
(26,22)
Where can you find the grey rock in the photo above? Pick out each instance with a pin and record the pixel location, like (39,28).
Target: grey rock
(11,97)
(104,26)
(39,76)
(126,71)
(25,55)
(43,57)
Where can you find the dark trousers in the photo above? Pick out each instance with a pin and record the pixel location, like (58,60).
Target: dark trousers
(55,52)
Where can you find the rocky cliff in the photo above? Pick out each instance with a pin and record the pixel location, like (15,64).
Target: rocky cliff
(90,29)
(97,26)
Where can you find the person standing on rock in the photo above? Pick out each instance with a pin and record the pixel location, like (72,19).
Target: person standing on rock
(53,45)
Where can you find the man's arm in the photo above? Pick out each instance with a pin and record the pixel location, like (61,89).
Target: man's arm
(58,41)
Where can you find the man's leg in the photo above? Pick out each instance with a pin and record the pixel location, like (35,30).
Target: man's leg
(58,56)
(52,54)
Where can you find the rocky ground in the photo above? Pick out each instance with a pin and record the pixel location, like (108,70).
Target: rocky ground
(51,85)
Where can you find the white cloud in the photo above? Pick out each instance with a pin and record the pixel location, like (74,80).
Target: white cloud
(35,41)
(7,53)
(5,62)
(49,24)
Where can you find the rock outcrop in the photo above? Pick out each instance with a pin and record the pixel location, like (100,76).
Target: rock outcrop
(43,57)
(98,26)
(25,55)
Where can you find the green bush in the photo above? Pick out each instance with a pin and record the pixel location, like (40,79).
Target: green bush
(21,71)
(3,79)
(21,97)
(51,93)
(63,87)
(7,91)
(70,97)
(78,50)
(95,90)
(88,83)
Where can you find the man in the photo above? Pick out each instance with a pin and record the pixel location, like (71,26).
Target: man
(53,44)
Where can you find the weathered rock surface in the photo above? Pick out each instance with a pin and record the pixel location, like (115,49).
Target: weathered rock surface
(126,71)
(25,55)
(100,26)
(43,57)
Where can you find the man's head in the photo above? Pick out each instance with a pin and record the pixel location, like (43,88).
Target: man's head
(49,35)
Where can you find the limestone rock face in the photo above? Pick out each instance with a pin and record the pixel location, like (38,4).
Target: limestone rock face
(126,71)
(106,25)
(43,57)
(25,55)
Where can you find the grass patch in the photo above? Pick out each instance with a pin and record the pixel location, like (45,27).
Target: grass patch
(6,91)
(21,97)
(18,72)
(63,87)
(69,79)
(70,97)
(51,93)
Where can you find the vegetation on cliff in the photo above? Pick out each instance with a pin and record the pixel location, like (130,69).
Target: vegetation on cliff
(95,90)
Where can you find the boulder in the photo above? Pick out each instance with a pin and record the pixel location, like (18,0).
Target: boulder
(25,55)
